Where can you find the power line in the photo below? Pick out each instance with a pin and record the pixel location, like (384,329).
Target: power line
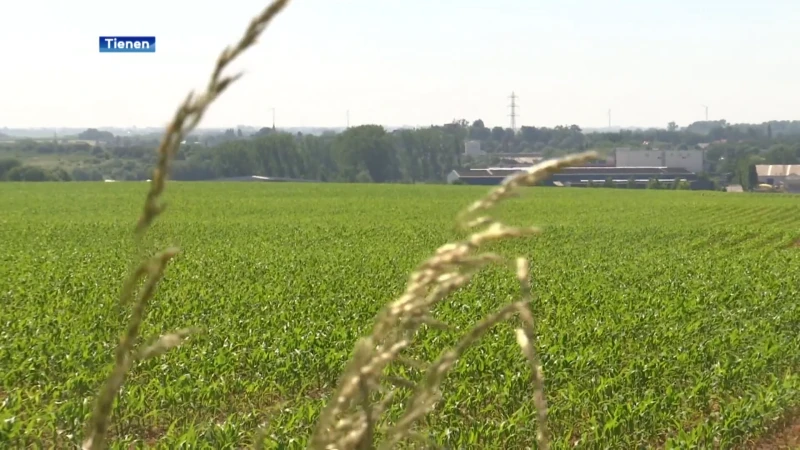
(513,114)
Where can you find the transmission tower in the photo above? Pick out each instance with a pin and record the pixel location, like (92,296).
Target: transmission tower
(513,114)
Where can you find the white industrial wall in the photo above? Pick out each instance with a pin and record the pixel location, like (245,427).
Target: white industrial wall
(639,158)
(692,160)
(472,148)
(688,159)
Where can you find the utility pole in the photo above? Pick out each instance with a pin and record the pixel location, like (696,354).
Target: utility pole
(513,114)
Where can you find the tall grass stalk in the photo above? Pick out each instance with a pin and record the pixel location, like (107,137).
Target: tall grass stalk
(346,423)
(189,114)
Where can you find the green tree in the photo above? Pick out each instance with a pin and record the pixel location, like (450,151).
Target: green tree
(782,154)
(59,174)
(479,131)
(6,165)
(363,177)
(365,147)
(498,134)
(28,173)
(93,134)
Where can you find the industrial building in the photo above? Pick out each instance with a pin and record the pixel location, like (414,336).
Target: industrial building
(786,176)
(691,160)
(577,176)
(473,148)
(621,166)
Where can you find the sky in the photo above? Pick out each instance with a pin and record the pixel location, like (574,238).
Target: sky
(406,62)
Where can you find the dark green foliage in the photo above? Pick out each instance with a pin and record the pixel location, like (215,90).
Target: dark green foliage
(408,156)
(35,173)
(6,165)
(654,184)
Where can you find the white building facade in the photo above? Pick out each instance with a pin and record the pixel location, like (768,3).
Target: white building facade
(692,160)
(473,148)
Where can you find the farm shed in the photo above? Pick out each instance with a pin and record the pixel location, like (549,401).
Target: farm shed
(576,176)
(776,174)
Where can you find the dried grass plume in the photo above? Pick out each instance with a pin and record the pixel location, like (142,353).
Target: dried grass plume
(350,420)
(187,117)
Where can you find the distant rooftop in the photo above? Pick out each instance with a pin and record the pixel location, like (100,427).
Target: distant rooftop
(608,171)
(776,170)
(263,179)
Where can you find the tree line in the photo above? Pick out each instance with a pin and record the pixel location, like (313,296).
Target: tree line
(370,153)
(361,154)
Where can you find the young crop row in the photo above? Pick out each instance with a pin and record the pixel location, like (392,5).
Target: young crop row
(663,317)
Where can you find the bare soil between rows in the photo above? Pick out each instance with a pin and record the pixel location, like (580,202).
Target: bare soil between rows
(783,437)
(786,439)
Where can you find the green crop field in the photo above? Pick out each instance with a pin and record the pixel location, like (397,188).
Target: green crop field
(664,317)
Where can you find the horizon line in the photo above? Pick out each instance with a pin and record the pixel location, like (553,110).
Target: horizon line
(225,127)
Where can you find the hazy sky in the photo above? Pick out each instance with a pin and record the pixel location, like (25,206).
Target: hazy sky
(406,62)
